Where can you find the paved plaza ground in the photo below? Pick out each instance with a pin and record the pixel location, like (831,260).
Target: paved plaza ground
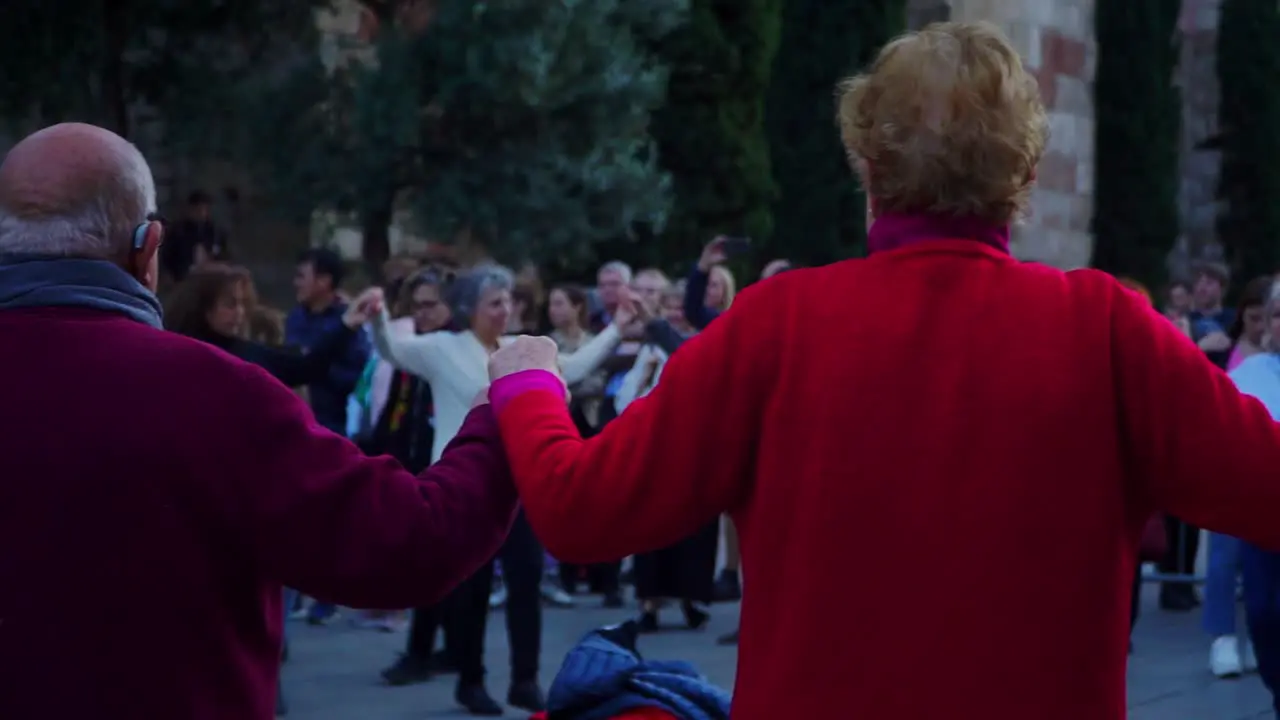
(333,674)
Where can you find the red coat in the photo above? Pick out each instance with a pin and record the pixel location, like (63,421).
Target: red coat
(154,494)
(939,460)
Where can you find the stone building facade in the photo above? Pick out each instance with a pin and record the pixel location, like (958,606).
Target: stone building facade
(1055,39)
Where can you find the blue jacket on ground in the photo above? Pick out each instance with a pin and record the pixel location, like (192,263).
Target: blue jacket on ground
(604,676)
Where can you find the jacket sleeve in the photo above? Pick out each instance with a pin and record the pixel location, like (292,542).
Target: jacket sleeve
(320,516)
(576,366)
(664,468)
(632,381)
(659,332)
(347,359)
(695,300)
(415,354)
(294,368)
(1197,447)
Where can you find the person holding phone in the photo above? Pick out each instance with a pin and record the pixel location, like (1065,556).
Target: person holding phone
(709,288)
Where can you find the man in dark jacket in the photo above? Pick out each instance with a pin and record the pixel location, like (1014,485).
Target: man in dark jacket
(178,486)
(318,313)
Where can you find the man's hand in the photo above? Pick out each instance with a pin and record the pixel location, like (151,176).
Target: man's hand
(525,353)
(1216,341)
(713,254)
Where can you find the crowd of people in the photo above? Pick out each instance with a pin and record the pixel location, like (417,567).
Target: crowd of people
(395,368)
(454,425)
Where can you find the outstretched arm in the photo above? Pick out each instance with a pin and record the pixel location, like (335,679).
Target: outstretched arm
(322,517)
(668,465)
(1198,448)
(576,366)
(415,354)
(695,299)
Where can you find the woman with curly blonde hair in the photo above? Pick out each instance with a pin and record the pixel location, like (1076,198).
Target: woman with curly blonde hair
(987,437)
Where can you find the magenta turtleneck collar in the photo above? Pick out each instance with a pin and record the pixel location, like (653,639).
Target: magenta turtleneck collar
(892,231)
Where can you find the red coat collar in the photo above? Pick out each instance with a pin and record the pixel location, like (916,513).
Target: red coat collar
(890,232)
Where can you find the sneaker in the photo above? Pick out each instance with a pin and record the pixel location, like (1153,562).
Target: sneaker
(1224,657)
(498,598)
(556,595)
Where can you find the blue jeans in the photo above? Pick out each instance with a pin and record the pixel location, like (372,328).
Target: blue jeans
(1261,571)
(1219,617)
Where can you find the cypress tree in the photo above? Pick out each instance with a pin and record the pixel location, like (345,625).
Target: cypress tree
(819,216)
(710,134)
(1138,116)
(1249,121)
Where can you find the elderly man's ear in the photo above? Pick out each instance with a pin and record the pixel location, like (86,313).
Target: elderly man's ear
(143,262)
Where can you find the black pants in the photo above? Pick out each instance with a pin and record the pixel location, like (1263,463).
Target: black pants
(1184,543)
(422,630)
(522,561)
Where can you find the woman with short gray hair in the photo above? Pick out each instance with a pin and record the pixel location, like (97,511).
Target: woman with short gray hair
(455,364)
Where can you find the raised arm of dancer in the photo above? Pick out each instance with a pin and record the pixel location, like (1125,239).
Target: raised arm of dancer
(576,366)
(320,516)
(674,461)
(1197,447)
(415,354)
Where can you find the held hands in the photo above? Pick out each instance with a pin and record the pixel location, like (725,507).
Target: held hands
(362,310)
(526,353)
(631,309)
(713,254)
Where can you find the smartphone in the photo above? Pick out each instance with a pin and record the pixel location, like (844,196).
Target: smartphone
(737,246)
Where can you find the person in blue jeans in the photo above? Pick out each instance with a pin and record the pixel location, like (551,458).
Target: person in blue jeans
(1228,657)
(1259,376)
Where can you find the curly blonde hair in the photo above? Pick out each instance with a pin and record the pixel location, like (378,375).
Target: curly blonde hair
(947,122)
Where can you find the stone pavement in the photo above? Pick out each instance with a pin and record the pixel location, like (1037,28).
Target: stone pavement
(333,672)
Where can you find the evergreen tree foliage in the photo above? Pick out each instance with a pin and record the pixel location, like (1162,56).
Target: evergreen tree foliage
(521,125)
(710,133)
(1137,122)
(1249,122)
(100,61)
(820,214)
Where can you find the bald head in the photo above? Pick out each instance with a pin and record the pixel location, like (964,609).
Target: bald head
(73,190)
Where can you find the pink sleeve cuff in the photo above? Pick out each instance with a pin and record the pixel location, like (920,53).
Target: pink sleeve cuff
(506,389)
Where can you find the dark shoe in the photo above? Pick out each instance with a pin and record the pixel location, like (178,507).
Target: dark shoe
(613,599)
(441,663)
(728,587)
(526,695)
(694,617)
(648,621)
(730,639)
(476,700)
(407,670)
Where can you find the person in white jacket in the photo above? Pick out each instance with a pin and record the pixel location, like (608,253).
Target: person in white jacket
(456,366)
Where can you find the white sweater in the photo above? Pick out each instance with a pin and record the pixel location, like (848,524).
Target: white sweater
(456,365)
(637,383)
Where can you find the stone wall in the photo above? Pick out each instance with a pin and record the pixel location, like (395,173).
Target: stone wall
(1055,39)
(1199,169)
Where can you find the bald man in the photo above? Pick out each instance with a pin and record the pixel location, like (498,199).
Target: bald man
(155,493)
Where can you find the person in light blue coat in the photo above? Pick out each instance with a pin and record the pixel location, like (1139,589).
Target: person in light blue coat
(1259,376)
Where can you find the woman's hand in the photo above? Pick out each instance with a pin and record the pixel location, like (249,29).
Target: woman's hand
(631,310)
(362,310)
(713,254)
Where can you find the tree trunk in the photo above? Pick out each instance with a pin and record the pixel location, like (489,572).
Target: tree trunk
(375,227)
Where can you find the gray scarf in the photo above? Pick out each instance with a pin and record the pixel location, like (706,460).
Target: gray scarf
(32,281)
